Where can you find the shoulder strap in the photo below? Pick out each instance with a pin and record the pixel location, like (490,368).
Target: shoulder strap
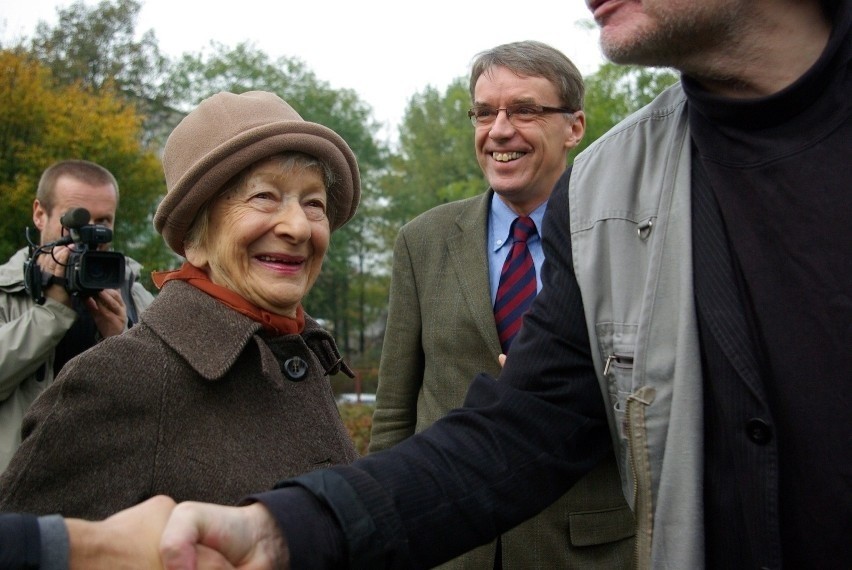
(126,295)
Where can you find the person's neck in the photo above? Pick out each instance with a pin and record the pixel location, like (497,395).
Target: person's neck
(768,55)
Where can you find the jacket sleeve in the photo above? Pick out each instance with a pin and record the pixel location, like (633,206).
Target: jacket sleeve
(137,294)
(402,362)
(20,542)
(28,340)
(517,444)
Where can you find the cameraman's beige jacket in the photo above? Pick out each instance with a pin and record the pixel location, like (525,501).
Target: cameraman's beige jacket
(29,334)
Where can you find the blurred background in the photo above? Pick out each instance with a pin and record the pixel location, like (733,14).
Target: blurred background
(90,83)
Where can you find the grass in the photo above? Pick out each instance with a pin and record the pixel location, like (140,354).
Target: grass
(358,419)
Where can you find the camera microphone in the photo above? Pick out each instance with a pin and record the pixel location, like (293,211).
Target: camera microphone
(75,218)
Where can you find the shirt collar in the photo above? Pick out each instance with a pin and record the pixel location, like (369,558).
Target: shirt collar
(500,221)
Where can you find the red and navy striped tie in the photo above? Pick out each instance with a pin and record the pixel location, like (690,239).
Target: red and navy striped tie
(517,286)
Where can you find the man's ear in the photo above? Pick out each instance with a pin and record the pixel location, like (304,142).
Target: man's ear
(40,216)
(576,130)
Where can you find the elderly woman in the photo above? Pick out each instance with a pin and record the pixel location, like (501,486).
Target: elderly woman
(222,389)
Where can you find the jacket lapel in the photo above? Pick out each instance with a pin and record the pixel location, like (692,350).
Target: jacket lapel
(715,284)
(466,244)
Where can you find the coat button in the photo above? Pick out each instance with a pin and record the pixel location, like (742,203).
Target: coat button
(758,431)
(295,369)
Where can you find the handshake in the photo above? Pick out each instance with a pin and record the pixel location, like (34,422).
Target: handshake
(160,534)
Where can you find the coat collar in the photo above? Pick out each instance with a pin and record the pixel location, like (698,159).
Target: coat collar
(471,227)
(210,337)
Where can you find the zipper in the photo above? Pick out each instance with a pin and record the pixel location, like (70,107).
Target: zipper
(629,434)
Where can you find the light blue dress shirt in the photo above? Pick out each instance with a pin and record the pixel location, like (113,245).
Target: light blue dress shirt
(499,244)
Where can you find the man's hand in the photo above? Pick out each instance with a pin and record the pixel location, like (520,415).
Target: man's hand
(53,263)
(106,307)
(247,537)
(108,310)
(128,539)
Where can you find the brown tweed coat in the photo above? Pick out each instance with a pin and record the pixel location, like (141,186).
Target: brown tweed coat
(191,403)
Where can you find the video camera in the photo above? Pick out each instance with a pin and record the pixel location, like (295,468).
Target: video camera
(87,270)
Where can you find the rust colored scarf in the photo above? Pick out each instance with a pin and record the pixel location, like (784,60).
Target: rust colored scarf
(272,323)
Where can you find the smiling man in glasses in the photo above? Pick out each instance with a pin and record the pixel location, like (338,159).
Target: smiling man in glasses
(453,309)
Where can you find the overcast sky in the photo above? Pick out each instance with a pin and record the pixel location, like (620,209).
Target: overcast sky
(386,51)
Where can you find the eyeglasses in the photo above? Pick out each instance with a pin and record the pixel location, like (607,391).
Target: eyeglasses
(518,114)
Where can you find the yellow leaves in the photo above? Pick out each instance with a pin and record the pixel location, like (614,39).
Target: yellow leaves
(42,122)
(21,98)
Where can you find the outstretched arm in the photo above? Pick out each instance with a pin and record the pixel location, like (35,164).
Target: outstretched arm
(518,444)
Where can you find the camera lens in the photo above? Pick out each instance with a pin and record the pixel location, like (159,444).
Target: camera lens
(101,270)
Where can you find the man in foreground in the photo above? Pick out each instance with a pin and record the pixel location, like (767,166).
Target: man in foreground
(709,251)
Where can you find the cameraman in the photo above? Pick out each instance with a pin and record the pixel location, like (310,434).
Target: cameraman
(37,340)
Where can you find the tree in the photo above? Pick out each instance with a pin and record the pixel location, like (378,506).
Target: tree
(97,47)
(436,161)
(42,122)
(194,77)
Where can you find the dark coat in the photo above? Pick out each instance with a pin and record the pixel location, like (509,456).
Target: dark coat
(191,403)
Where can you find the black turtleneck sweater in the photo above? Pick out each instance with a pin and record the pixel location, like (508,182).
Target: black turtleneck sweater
(779,170)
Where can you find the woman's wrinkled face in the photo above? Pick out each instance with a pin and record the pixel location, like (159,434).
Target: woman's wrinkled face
(267,238)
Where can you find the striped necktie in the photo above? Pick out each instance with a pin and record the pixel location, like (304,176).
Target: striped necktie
(517,286)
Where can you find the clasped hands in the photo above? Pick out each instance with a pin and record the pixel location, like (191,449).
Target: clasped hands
(161,534)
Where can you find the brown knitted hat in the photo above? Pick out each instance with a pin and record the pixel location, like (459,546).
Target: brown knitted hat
(227,133)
